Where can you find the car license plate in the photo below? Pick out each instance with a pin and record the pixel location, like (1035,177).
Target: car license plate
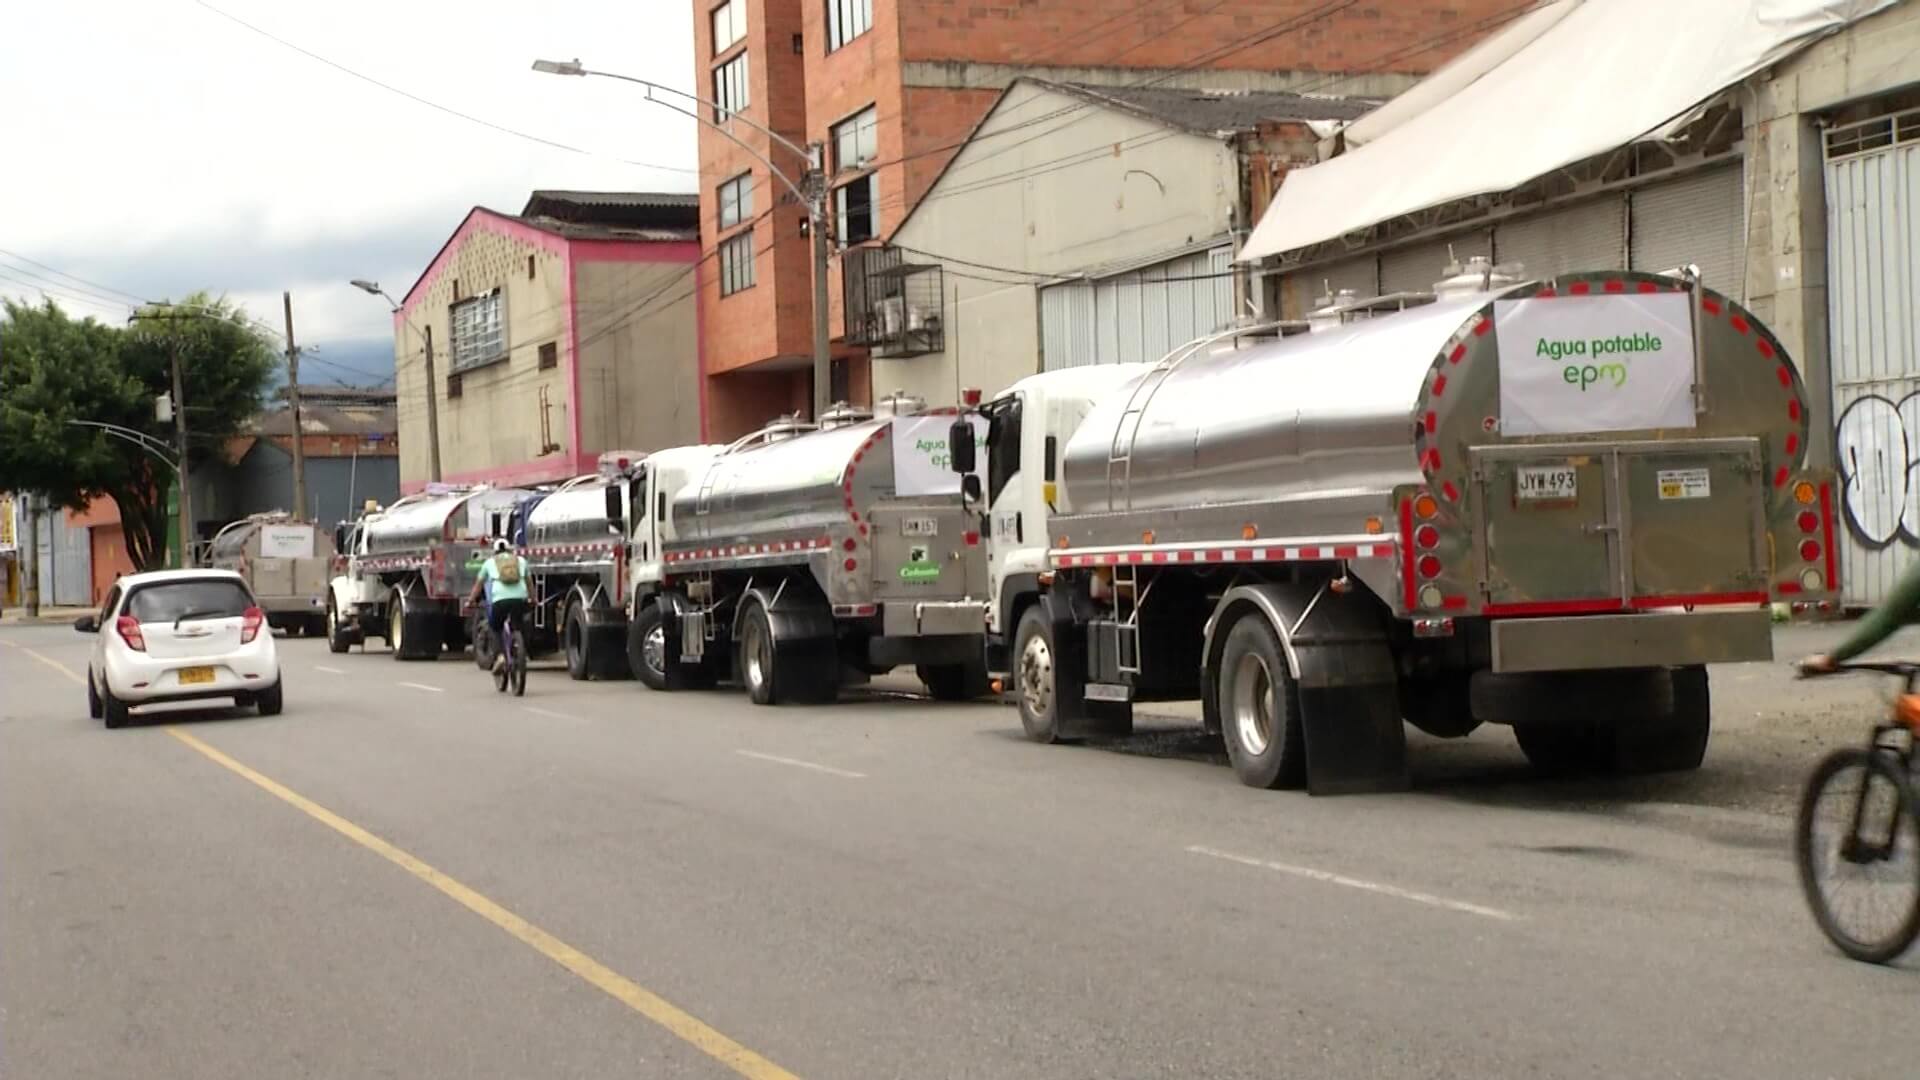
(920,526)
(1546,483)
(194,676)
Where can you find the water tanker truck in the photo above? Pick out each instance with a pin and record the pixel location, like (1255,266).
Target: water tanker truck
(286,564)
(1547,505)
(802,559)
(405,571)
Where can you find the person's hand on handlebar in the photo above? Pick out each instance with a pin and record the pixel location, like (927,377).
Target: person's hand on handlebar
(1817,664)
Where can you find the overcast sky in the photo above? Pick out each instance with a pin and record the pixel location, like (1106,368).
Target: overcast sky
(155,147)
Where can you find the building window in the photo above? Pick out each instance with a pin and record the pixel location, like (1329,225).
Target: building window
(453,386)
(729,25)
(549,356)
(736,264)
(856,210)
(730,87)
(529,268)
(846,20)
(736,200)
(855,142)
(479,331)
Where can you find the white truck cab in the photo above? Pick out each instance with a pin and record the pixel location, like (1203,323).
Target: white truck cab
(1027,427)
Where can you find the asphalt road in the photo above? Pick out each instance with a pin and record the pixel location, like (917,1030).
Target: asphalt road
(407,875)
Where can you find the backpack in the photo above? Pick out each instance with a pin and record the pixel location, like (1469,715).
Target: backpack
(506,568)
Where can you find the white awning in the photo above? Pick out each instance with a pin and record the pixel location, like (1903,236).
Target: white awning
(1563,83)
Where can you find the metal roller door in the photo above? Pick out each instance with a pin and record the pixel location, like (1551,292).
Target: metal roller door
(1873,270)
(1699,219)
(1066,325)
(1417,268)
(1585,236)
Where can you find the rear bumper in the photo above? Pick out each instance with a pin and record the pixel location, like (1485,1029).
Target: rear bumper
(1652,639)
(933,618)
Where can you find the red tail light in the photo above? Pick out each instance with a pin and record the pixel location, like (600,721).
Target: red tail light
(128,628)
(250,623)
(972,539)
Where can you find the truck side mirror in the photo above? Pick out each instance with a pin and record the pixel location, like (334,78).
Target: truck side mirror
(340,538)
(960,450)
(616,512)
(970,487)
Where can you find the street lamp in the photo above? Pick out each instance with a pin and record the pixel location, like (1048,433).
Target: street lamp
(433,404)
(810,189)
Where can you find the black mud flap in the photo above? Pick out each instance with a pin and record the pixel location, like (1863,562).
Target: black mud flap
(1075,717)
(1337,646)
(680,674)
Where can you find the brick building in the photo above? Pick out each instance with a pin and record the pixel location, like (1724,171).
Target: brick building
(891,88)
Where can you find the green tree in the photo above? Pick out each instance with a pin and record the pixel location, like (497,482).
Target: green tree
(55,369)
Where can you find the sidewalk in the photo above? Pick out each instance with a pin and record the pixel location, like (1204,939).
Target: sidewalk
(49,616)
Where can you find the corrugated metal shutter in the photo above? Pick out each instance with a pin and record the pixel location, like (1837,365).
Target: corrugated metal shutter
(1699,219)
(1106,322)
(1584,236)
(1066,325)
(1130,301)
(1873,268)
(1136,316)
(1416,268)
(1220,265)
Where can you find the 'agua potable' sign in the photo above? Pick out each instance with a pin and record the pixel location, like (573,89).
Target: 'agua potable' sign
(1572,365)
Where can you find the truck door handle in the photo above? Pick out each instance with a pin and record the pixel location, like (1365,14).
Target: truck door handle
(1019,533)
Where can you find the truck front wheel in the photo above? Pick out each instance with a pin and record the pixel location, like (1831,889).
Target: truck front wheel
(1034,685)
(575,638)
(1260,708)
(339,637)
(647,647)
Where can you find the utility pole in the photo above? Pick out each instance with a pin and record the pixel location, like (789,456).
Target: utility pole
(816,181)
(293,406)
(433,414)
(32,561)
(180,433)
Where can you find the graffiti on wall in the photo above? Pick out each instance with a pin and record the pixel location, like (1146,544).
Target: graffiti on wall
(1877,449)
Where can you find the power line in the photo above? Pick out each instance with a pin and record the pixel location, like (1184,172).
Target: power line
(103,289)
(411,96)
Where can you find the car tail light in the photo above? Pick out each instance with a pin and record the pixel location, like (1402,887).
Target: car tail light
(250,623)
(128,628)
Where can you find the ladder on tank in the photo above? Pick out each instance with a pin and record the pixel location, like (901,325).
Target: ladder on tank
(1128,598)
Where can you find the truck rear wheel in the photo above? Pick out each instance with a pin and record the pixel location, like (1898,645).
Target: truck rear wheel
(339,637)
(1562,749)
(574,636)
(1260,708)
(955,682)
(647,647)
(757,669)
(1672,743)
(414,634)
(1033,676)
(784,673)
(1439,705)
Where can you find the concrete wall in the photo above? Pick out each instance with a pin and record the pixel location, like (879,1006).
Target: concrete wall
(497,419)
(640,381)
(1787,231)
(1158,192)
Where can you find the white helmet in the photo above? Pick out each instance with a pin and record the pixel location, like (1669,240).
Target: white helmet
(500,546)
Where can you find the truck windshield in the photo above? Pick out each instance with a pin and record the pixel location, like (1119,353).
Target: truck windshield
(1003,445)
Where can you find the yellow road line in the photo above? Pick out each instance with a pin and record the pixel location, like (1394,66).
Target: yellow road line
(679,1022)
(52,663)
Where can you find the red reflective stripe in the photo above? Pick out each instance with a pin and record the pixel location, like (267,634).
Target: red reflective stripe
(1459,351)
(1453,603)
(1826,532)
(1787,588)
(1643,602)
(1346,552)
(1580,288)
(1553,607)
(1406,549)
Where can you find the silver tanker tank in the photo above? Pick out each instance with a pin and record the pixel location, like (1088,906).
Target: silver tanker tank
(788,478)
(575,514)
(419,521)
(1319,428)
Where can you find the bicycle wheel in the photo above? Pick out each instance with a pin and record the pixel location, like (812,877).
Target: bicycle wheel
(1858,850)
(519,668)
(509,648)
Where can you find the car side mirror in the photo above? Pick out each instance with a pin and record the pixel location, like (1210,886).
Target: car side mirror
(960,449)
(87,624)
(970,487)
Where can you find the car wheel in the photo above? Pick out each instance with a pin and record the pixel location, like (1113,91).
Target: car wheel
(93,698)
(269,701)
(113,710)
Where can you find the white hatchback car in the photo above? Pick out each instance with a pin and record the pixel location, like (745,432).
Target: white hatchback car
(180,639)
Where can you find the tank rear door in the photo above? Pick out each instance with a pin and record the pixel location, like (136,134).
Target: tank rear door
(1547,523)
(1695,520)
(922,553)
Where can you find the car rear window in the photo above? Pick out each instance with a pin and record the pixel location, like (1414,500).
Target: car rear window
(170,600)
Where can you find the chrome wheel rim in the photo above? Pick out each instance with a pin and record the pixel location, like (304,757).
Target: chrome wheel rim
(396,620)
(653,650)
(1036,676)
(756,656)
(332,621)
(1253,712)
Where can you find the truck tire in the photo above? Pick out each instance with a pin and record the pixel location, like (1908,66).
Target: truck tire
(1260,708)
(758,671)
(790,673)
(339,637)
(414,634)
(647,647)
(316,625)
(576,641)
(1440,705)
(1676,742)
(955,682)
(1566,748)
(1033,680)
(1591,698)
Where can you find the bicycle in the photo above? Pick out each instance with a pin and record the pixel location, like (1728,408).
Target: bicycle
(1843,835)
(514,672)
